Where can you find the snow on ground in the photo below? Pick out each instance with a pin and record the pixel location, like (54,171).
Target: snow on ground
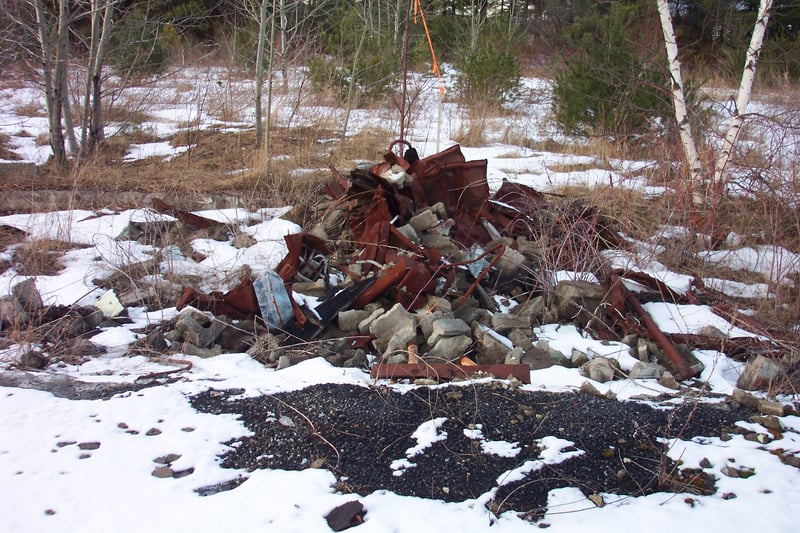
(88,465)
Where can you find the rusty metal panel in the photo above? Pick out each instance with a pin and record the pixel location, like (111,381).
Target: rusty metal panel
(448,371)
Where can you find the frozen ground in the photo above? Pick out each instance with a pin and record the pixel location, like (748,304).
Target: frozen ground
(87,465)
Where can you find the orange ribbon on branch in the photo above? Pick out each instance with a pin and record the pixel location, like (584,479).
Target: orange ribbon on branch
(418,9)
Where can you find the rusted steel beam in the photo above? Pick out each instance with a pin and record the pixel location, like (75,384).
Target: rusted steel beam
(184,216)
(448,371)
(389,279)
(684,370)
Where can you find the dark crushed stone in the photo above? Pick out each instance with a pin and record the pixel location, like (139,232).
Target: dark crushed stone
(371,427)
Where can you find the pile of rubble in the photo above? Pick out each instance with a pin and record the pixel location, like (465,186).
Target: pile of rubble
(413,269)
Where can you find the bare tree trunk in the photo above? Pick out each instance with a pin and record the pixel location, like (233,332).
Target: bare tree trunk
(678,97)
(262,37)
(270,67)
(351,88)
(284,31)
(92,132)
(53,48)
(745,89)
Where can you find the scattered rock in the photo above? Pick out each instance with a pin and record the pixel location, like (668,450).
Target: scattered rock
(450,348)
(346,516)
(643,370)
(760,373)
(33,359)
(600,369)
(28,296)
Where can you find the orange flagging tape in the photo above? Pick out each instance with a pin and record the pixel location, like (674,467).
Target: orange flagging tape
(418,8)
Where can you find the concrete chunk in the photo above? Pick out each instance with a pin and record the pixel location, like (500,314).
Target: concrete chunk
(447,327)
(450,348)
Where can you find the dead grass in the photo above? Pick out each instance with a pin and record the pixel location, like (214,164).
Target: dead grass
(6,150)
(41,257)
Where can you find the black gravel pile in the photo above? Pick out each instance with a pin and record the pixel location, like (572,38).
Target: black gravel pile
(357,432)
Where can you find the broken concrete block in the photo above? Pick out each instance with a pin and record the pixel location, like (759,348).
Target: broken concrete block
(395,320)
(426,320)
(443,244)
(437,303)
(643,370)
(350,319)
(190,349)
(519,337)
(447,327)
(514,356)
(574,297)
(532,310)
(450,348)
(557,357)
(600,369)
(760,373)
(492,347)
(409,233)
(439,210)
(312,288)
(503,322)
(443,228)
(578,358)
(510,261)
(403,335)
(364,325)
(28,296)
(538,359)
(204,337)
(423,220)
(109,304)
(668,380)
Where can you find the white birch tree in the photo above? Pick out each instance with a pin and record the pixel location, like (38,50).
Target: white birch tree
(678,95)
(745,89)
(696,170)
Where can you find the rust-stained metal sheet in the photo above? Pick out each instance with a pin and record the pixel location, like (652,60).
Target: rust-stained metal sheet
(448,371)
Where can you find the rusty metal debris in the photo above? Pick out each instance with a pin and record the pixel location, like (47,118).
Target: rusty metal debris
(415,258)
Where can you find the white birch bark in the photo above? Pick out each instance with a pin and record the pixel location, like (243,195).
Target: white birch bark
(678,96)
(745,89)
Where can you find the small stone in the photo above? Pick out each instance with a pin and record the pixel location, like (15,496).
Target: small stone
(346,516)
(187,429)
(284,361)
(163,472)
(317,463)
(177,474)
(742,472)
(49,512)
(597,500)
(89,445)
(705,463)
(286,421)
(167,459)
(668,380)
(152,432)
